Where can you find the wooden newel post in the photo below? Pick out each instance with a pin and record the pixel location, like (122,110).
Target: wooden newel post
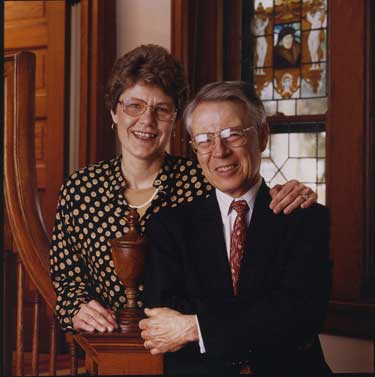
(128,254)
(122,352)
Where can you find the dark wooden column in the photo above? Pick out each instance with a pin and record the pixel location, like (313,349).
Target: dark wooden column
(349,147)
(197,43)
(98,53)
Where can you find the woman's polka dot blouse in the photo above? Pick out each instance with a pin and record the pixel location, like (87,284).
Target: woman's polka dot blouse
(91,211)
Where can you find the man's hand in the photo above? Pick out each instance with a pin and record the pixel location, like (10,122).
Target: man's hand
(93,316)
(167,330)
(291,195)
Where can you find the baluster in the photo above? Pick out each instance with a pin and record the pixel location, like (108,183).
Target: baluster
(35,338)
(20,323)
(73,357)
(6,309)
(52,360)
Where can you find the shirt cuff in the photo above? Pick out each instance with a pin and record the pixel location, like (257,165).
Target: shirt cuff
(201,344)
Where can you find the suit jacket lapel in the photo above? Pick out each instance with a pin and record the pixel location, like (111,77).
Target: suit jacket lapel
(260,240)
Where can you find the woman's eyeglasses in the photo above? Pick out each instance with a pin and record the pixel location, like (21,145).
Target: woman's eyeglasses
(136,107)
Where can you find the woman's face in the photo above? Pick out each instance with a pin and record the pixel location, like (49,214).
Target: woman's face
(144,136)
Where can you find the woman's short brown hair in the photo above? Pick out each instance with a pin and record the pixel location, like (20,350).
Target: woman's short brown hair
(151,64)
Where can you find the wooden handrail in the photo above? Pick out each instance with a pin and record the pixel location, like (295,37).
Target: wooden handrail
(21,197)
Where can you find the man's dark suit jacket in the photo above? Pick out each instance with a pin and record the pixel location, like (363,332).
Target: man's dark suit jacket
(284,286)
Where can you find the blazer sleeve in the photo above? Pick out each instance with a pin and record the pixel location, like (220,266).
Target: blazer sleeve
(291,314)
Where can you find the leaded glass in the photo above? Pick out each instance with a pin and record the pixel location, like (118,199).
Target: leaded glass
(290,55)
(296,155)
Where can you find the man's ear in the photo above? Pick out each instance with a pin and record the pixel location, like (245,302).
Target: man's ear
(263,133)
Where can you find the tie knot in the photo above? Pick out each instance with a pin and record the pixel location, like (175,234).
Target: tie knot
(240,207)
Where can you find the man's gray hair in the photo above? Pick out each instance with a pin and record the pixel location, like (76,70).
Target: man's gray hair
(236,91)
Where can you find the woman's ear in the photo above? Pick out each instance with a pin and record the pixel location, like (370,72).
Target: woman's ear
(264,131)
(114,117)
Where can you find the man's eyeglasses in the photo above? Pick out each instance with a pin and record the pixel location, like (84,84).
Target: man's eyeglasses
(136,107)
(230,137)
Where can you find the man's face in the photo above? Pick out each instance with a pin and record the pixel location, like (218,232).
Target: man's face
(232,170)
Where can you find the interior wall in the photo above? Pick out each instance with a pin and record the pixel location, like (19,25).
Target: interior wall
(142,22)
(348,355)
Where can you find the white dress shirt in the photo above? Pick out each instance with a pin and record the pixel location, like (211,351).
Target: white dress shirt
(228,217)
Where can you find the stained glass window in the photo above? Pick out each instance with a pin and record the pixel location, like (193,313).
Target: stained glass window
(290,55)
(285,56)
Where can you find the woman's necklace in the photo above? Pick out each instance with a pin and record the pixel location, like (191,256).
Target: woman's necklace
(147,202)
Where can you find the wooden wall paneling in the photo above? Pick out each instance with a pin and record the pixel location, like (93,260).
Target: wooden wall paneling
(40,27)
(98,53)
(347,147)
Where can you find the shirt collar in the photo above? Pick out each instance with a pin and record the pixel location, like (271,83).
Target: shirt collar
(226,200)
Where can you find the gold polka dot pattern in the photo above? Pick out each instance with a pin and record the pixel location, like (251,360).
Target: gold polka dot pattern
(90,212)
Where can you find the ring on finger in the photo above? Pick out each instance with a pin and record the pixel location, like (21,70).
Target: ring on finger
(305,197)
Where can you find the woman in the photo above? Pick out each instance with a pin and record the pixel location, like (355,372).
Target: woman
(146,94)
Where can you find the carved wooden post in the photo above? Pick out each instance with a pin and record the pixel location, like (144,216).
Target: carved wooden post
(128,253)
(122,352)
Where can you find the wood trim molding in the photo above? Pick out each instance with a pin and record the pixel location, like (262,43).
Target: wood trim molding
(98,53)
(350,319)
(180,49)
(57,88)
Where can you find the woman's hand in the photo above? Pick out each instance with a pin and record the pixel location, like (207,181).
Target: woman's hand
(93,316)
(291,195)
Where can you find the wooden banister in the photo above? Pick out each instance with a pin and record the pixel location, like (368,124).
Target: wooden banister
(20,190)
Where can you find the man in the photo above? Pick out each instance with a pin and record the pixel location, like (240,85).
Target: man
(233,284)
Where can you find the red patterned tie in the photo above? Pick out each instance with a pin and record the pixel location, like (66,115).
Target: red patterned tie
(237,241)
